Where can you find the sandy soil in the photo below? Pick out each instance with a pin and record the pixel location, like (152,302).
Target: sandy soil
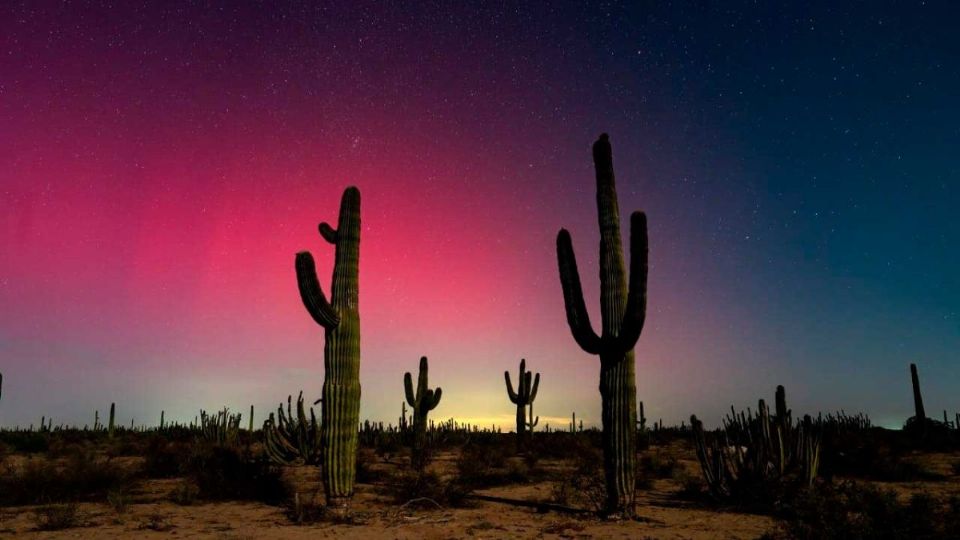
(151,514)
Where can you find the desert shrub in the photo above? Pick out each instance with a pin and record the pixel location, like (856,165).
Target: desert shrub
(118,500)
(853,511)
(56,517)
(481,465)
(156,522)
(80,477)
(584,485)
(885,463)
(185,494)
(162,459)
(233,473)
(658,464)
(25,442)
(415,486)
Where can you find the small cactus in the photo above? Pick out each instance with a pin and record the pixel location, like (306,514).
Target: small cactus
(110,427)
(221,429)
(290,440)
(422,402)
(527,386)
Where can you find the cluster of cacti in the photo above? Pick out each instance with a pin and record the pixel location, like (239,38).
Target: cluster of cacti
(221,428)
(754,451)
(340,319)
(290,440)
(622,310)
(422,401)
(527,386)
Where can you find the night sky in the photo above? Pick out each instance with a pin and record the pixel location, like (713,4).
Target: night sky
(160,164)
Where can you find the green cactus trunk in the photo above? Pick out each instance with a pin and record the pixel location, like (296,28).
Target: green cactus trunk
(623,310)
(110,428)
(422,401)
(340,319)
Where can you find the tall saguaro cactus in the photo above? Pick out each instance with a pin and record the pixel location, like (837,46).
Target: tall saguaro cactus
(110,427)
(527,386)
(340,319)
(422,401)
(623,311)
(918,411)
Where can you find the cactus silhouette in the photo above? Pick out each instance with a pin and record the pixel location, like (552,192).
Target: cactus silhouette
(340,319)
(527,386)
(110,427)
(422,401)
(918,411)
(289,439)
(623,310)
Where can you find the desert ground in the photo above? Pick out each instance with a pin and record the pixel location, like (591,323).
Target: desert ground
(498,493)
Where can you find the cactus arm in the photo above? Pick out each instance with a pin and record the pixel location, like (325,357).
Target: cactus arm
(533,391)
(408,389)
(312,294)
(513,395)
(328,233)
(577,316)
(636,312)
(435,398)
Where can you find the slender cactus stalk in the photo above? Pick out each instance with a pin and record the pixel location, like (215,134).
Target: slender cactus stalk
(110,428)
(623,311)
(340,319)
(919,413)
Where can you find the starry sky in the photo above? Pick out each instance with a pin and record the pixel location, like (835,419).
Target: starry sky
(161,163)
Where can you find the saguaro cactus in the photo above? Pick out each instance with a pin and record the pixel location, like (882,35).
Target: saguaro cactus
(918,413)
(340,319)
(527,386)
(110,427)
(422,402)
(623,311)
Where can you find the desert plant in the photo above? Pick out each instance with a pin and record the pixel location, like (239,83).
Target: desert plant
(111,427)
(289,440)
(233,473)
(527,386)
(754,459)
(422,401)
(854,511)
(623,311)
(340,319)
(222,428)
(56,517)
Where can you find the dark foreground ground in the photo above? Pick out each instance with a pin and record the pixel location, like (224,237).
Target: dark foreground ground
(149,484)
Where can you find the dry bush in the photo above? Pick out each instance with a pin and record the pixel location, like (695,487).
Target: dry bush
(853,511)
(56,517)
(233,473)
(80,476)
